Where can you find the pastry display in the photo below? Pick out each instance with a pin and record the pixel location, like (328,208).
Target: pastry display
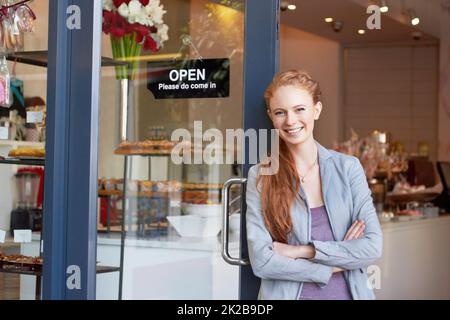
(27,152)
(201,197)
(145,147)
(139,186)
(20,262)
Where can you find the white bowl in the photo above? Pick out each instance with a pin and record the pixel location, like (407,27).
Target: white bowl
(196,226)
(202,210)
(235,223)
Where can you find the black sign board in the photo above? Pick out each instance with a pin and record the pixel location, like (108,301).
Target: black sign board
(207,78)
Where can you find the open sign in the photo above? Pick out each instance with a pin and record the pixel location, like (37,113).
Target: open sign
(189,75)
(207,78)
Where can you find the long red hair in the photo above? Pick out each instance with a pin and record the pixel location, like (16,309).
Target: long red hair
(278,191)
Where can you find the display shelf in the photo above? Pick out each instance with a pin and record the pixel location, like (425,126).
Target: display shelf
(100,270)
(40,59)
(23,162)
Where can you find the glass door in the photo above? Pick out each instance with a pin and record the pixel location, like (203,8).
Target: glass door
(172,133)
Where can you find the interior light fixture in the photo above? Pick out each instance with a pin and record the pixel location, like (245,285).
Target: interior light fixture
(383,6)
(329,19)
(361,31)
(413,17)
(292,7)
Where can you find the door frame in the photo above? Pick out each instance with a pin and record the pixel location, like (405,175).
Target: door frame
(70,197)
(262,25)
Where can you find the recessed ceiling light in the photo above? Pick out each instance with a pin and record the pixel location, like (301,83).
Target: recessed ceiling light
(383,6)
(414,18)
(329,19)
(361,31)
(292,7)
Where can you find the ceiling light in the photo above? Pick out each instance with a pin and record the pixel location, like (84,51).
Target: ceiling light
(329,19)
(414,18)
(361,31)
(292,7)
(383,6)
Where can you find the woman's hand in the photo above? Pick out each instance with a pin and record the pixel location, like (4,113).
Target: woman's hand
(356,230)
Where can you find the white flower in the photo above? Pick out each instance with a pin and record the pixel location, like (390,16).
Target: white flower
(141,18)
(107,5)
(135,8)
(124,11)
(155,11)
(162,33)
(137,14)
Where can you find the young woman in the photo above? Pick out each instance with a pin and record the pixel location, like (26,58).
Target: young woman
(312,228)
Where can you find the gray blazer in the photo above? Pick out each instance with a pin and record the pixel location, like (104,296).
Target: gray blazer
(347,198)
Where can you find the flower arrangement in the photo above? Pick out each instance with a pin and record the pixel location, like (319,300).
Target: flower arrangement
(133,25)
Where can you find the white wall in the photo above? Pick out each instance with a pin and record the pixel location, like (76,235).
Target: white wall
(322,59)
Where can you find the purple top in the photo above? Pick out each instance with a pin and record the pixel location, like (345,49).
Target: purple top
(337,288)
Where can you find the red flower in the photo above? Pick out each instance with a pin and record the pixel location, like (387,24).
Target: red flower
(118,3)
(108,21)
(119,26)
(144,2)
(140,29)
(150,44)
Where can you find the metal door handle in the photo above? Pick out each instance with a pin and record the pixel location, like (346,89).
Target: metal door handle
(225,226)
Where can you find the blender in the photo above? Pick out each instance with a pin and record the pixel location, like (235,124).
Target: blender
(27,215)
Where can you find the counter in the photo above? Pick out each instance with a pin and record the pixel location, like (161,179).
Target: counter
(416,259)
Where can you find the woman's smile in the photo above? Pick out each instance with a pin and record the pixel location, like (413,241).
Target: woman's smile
(295,131)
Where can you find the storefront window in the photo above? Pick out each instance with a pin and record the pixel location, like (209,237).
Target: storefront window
(172,213)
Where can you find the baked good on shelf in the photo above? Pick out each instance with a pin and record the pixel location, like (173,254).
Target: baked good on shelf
(145,147)
(18,258)
(202,186)
(27,152)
